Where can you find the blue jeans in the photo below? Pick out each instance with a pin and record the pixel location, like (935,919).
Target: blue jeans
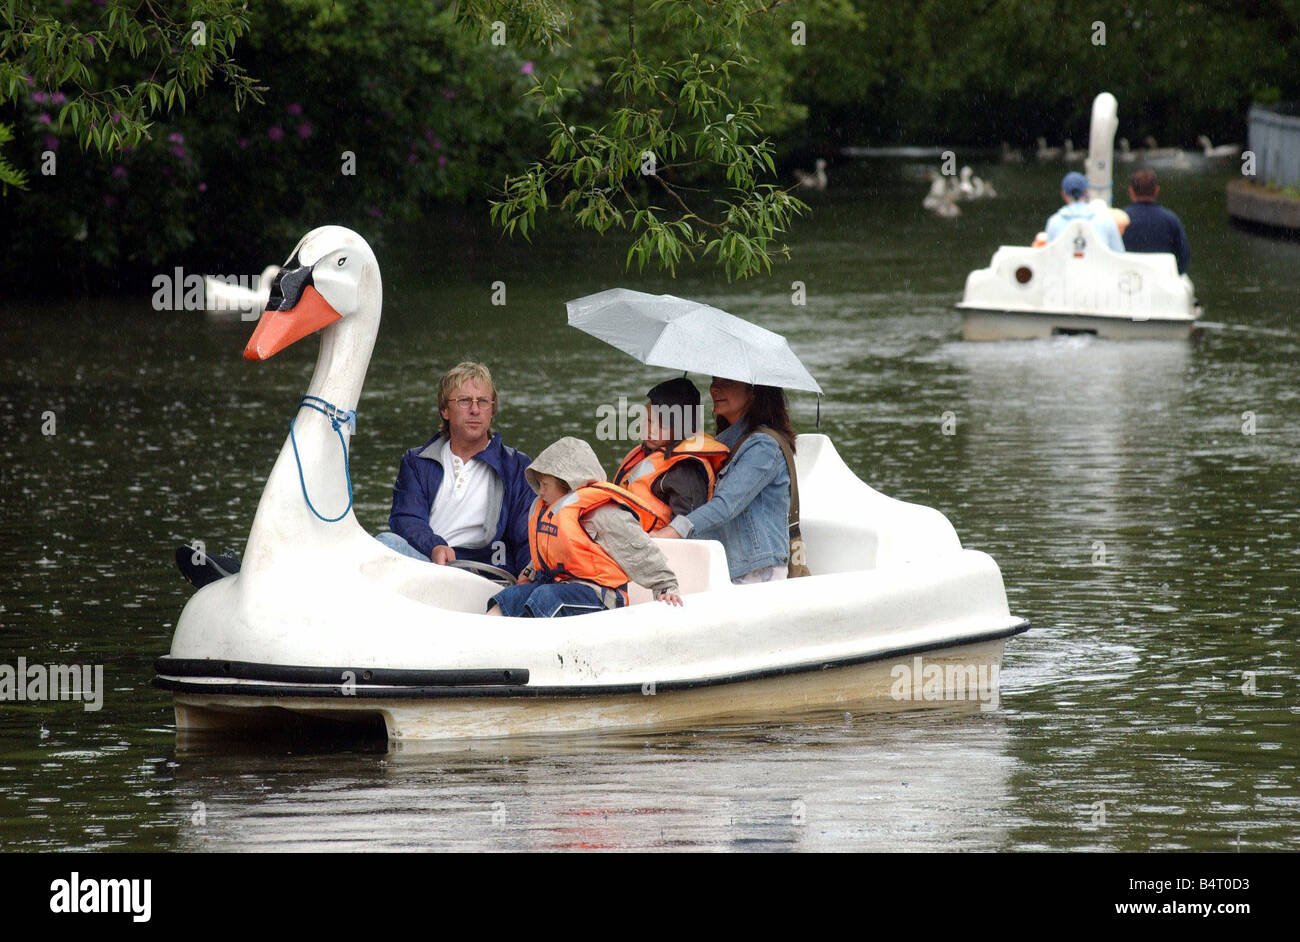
(550,600)
(395,542)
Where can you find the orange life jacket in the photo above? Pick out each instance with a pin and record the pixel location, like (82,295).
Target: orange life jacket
(642,468)
(561,548)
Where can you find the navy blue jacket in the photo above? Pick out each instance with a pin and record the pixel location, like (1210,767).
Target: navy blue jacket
(1152,228)
(417,485)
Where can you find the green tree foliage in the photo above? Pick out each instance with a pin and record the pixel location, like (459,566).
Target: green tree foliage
(168,152)
(666,110)
(106,68)
(376,112)
(956,72)
(423,108)
(9,174)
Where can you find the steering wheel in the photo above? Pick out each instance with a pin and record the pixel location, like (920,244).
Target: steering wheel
(491,573)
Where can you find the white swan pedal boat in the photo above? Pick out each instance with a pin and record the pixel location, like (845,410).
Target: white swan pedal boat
(323,621)
(1076,285)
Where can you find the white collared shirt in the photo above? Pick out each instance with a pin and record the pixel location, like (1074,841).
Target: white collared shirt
(459,513)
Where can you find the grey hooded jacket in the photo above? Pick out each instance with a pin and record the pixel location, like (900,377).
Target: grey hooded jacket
(615,528)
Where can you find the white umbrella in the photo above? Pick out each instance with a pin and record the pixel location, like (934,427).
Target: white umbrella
(661,330)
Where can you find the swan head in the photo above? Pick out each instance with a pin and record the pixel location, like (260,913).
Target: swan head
(322,282)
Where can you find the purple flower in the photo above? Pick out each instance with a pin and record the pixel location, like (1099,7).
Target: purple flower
(39,97)
(110,200)
(119,172)
(176,137)
(275,133)
(58,98)
(527,68)
(437,144)
(243,143)
(44,117)
(294,109)
(51,142)
(117,117)
(376,212)
(304,130)
(178,151)
(448,94)
(413,158)
(442,161)
(203,187)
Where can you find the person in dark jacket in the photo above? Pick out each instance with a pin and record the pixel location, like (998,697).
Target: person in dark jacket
(1152,228)
(463,493)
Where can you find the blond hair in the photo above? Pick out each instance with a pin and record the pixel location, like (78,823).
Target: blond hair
(462,373)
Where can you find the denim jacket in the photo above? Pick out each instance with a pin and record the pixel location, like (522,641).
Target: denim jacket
(750,510)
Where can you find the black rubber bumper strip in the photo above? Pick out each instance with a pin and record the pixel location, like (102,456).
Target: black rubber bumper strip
(277,683)
(370,676)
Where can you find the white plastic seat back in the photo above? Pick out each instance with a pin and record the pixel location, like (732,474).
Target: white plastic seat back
(700,565)
(847,526)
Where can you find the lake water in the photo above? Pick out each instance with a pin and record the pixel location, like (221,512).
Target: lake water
(1150,540)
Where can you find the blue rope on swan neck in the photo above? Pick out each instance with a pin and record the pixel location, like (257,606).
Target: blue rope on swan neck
(337,417)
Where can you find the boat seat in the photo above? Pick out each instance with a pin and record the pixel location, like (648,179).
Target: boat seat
(700,565)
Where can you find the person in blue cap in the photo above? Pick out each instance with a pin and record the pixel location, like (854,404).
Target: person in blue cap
(1074,190)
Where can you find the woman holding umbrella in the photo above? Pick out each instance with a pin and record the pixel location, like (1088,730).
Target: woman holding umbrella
(750,509)
(749,513)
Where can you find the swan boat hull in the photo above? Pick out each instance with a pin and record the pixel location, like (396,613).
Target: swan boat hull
(1076,285)
(980,324)
(896,616)
(508,710)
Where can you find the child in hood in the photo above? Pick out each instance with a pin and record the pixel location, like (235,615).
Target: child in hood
(587,539)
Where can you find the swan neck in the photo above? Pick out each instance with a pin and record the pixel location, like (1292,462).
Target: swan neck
(341,364)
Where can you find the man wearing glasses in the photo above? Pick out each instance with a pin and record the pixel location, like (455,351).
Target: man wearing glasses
(463,494)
